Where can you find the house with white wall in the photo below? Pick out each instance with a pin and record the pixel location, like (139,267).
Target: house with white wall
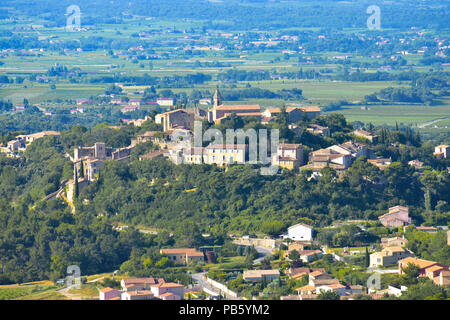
(300,232)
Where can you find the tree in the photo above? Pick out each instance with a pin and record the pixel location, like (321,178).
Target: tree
(410,274)
(328,295)
(367,258)
(294,255)
(81,169)
(75,188)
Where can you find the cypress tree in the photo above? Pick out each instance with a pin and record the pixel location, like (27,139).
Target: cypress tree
(81,170)
(75,190)
(367,258)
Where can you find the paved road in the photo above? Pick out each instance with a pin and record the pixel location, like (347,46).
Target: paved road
(426,124)
(209,288)
(378,270)
(203,284)
(263,252)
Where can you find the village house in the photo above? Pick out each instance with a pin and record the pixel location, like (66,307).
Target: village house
(336,287)
(21,142)
(154,154)
(396,217)
(322,281)
(139,284)
(443,279)
(135,102)
(366,135)
(165,102)
(29,138)
(83,102)
(289,156)
(322,158)
(427,229)
(176,119)
(144,289)
(77,110)
(442,151)
(259,275)
(297,273)
(195,156)
(225,154)
(339,157)
(388,256)
(394,242)
(299,232)
(109,294)
(318,130)
(306,290)
(353,149)
(439,273)
(168,291)
(149,136)
(418,165)
(380,163)
(183,255)
(421,263)
(138,295)
(294,114)
(138,122)
(297,245)
(320,275)
(129,109)
(310,255)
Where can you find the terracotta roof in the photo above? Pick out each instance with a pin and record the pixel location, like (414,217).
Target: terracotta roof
(310,109)
(150,280)
(167,294)
(434,268)
(106,290)
(419,262)
(309,252)
(316,273)
(175,111)
(255,107)
(186,251)
(336,286)
(306,288)
(169,285)
(140,293)
(245,114)
(178,250)
(152,155)
(260,273)
(300,224)
(426,228)
(308,296)
(394,249)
